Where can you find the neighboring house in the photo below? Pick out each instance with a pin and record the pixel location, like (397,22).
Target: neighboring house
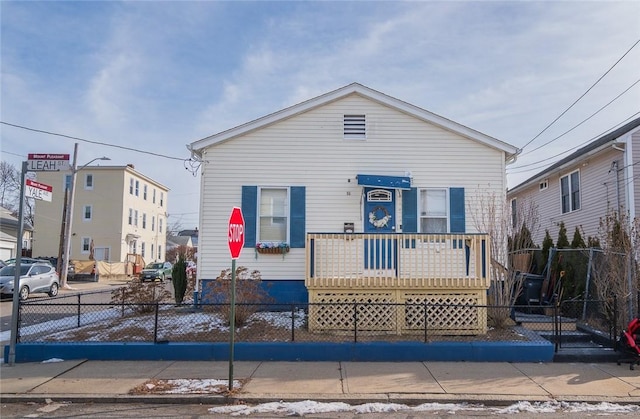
(191,233)
(332,181)
(9,234)
(177,241)
(118,212)
(583,187)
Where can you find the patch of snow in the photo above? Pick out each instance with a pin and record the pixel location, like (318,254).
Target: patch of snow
(312,407)
(48,361)
(187,386)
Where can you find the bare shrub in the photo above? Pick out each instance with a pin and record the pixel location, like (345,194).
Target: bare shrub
(143,296)
(511,250)
(249,294)
(615,272)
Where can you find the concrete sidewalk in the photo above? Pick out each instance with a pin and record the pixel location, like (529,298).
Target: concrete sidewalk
(348,382)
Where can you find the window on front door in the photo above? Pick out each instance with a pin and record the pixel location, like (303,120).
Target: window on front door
(433,211)
(273,215)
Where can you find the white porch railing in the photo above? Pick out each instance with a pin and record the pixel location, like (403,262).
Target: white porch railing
(399,260)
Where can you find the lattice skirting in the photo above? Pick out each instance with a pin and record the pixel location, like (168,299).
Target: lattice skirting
(451,312)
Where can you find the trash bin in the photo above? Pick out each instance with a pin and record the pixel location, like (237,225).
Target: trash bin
(531,289)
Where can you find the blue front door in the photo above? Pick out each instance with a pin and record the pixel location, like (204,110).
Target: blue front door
(380,217)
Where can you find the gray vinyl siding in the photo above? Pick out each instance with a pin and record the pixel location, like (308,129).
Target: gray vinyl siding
(599,192)
(309,150)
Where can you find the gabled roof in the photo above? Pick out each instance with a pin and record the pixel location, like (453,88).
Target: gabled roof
(353,88)
(175,241)
(589,149)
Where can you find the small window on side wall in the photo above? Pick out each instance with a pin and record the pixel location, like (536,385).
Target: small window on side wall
(544,184)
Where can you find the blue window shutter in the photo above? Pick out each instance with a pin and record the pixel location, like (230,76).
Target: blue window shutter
(456,206)
(249,212)
(297,216)
(410,211)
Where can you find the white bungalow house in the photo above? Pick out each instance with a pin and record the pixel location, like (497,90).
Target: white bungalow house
(366,198)
(583,187)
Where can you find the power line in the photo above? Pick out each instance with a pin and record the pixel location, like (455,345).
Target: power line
(583,95)
(93,142)
(584,120)
(509,169)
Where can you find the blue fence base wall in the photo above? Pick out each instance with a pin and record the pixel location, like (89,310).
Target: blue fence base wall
(283,291)
(287,351)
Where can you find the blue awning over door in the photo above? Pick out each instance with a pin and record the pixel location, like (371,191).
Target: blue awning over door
(380,181)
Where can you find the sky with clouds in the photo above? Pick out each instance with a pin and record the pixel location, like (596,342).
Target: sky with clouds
(156,75)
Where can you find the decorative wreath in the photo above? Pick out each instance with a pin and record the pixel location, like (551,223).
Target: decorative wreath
(379,222)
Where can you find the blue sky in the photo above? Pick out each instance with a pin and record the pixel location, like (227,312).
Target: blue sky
(157,75)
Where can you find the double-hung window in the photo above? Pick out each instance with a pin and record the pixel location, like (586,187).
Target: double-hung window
(88,181)
(87,212)
(86,245)
(570,192)
(273,213)
(433,211)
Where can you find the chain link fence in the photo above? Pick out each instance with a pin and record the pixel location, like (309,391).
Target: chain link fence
(66,321)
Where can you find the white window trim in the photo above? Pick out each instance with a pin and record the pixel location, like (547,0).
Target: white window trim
(287,211)
(446,206)
(130,219)
(82,241)
(84,213)
(568,176)
(544,185)
(86,183)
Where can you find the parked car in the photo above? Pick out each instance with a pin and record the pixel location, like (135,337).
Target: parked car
(2,264)
(156,270)
(25,261)
(34,278)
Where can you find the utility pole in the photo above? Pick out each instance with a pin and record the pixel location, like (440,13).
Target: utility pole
(16,278)
(68,220)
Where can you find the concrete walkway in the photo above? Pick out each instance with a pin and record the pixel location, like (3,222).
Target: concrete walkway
(349,382)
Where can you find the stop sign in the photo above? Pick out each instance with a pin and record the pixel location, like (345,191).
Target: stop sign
(236,232)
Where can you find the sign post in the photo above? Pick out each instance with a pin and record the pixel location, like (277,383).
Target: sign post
(36,162)
(235,234)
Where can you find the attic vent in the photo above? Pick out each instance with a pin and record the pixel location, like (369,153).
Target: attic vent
(354,126)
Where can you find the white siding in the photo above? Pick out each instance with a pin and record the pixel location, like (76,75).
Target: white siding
(309,150)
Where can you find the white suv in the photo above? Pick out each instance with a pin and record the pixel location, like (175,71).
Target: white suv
(34,278)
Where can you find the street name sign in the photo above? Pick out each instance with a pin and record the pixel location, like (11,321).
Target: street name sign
(38,190)
(47,162)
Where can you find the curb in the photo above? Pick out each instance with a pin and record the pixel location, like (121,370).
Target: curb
(354,400)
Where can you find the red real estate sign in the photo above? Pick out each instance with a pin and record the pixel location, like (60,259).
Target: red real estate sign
(236,233)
